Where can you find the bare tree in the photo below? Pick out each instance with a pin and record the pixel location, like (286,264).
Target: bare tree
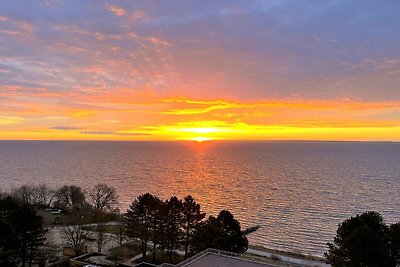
(24,193)
(44,195)
(120,230)
(102,237)
(70,196)
(104,198)
(76,237)
(34,194)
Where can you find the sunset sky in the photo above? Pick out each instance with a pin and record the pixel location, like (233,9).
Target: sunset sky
(200,70)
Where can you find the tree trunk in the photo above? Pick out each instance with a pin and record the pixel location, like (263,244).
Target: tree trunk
(170,251)
(187,242)
(145,247)
(23,255)
(154,247)
(31,257)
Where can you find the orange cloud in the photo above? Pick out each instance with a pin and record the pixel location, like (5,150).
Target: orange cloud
(126,114)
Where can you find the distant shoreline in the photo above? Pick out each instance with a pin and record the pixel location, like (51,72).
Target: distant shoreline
(208,141)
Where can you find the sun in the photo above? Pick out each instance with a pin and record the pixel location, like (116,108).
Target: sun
(200,139)
(198,134)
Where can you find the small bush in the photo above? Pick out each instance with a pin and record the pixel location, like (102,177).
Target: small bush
(275,258)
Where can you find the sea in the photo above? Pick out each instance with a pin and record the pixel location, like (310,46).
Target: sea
(297,192)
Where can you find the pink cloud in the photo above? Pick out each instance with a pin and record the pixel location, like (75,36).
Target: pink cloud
(158,41)
(137,15)
(15,27)
(118,11)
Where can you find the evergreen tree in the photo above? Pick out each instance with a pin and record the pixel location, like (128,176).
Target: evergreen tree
(173,224)
(192,216)
(9,243)
(208,234)
(363,240)
(223,233)
(24,235)
(236,241)
(139,219)
(395,241)
(156,206)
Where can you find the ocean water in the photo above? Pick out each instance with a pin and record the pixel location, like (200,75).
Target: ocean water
(297,192)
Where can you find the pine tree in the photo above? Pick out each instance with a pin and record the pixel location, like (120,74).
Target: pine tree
(27,237)
(192,216)
(363,240)
(139,219)
(173,224)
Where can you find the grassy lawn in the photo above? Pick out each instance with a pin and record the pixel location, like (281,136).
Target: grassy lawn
(50,219)
(110,229)
(128,250)
(83,216)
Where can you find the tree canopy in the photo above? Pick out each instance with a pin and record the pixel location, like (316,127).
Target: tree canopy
(103,198)
(365,240)
(139,219)
(395,241)
(175,224)
(222,232)
(21,233)
(192,216)
(70,196)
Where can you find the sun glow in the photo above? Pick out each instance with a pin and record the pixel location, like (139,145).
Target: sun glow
(194,131)
(202,133)
(224,120)
(201,130)
(200,139)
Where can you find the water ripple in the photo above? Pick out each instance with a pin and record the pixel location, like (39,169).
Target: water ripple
(297,192)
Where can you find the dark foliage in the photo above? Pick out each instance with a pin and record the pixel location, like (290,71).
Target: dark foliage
(21,233)
(364,240)
(192,216)
(395,241)
(175,224)
(70,197)
(139,219)
(223,233)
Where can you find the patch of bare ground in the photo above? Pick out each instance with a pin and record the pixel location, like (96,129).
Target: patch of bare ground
(288,253)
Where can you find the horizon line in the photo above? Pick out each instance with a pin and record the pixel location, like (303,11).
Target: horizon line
(208,141)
